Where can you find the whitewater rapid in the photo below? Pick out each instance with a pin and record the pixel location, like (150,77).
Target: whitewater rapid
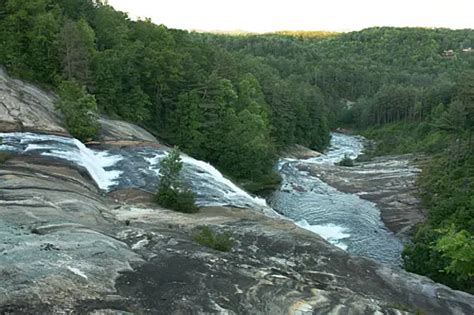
(134,167)
(345,220)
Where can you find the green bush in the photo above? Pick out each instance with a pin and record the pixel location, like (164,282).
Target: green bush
(4,156)
(218,241)
(79,109)
(182,201)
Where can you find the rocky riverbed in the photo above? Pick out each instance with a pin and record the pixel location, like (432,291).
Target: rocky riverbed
(68,247)
(387,181)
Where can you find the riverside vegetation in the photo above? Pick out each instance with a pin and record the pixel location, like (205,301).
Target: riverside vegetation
(235,101)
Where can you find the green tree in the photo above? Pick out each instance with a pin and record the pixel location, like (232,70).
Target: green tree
(458,247)
(187,121)
(28,34)
(172,193)
(76,48)
(79,109)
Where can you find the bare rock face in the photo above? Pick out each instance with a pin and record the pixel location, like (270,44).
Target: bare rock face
(120,132)
(67,248)
(56,243)
(24,107)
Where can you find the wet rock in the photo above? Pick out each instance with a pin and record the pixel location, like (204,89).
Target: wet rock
(96,264)
(299,152)
(388,181)
(66,248)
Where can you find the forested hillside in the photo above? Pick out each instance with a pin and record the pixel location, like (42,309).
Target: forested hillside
(235,101)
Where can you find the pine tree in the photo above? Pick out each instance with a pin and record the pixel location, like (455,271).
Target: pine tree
(172,192)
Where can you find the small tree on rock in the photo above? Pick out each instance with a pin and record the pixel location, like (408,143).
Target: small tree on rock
(172,193)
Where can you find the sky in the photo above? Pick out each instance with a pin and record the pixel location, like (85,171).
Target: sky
(273,15)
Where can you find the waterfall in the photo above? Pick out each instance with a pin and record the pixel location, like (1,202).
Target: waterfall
(95,162)
(135,167)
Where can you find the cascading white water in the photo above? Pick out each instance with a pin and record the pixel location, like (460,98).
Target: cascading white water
(135,167)
(209,185)
(70,149)
(233,190)
(341,145)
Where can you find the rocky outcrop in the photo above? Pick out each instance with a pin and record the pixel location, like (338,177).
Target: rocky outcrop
(24,107)
(68,248)
(299,152)
(118,132)
(387,181)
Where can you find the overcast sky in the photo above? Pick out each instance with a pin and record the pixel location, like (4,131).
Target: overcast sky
(271,15)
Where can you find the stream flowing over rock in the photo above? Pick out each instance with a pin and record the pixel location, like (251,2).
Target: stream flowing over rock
(74,242)
(344,219)
(122,167)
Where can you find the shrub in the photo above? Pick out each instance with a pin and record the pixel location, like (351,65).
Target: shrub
(218,241)
(172,193)
(182,201)
(346,161)
(4,156)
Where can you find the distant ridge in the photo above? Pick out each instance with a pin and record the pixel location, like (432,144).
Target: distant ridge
(296,33)
(226,32)
(303,33)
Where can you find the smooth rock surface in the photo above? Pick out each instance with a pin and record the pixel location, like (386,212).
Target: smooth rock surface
(120,132)
(67,248)
(299,152)
(387,181)
(24,107)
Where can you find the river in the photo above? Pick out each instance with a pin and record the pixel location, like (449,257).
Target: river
(345,220)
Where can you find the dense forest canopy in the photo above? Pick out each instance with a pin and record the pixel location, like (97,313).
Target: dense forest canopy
(235,101)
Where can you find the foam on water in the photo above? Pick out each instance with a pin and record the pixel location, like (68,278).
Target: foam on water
(218,177)
(211,187)
(343,219)
(330,232)
(341,145)
(97,163)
